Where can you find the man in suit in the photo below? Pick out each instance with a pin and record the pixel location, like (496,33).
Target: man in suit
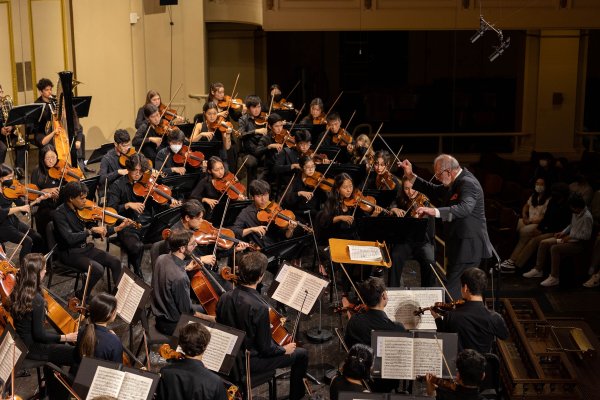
(462,211)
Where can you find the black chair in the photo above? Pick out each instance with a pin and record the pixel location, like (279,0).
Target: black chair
(37,365)
(92,185)
(153,336)
(491,386)
(54,265)
(238,377)
(99,153)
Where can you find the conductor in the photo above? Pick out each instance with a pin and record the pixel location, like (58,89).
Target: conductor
(462,212)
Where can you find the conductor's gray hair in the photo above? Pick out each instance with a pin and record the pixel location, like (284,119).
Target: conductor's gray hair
(446,161)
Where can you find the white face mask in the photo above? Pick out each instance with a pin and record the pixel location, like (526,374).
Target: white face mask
(539,189)
(176,147)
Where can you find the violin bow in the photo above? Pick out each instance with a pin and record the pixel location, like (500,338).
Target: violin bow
(18,245)
(235,176)
(371,145)
(26,196)
(83,296)
(361,191)
(333,105)
(297,322)
(282,197)
(390,149)
(214,253)
(161,117)
(442,283)
(232,92)
(155,179)
(437,342)
(146,349)
(294,88)
(62,380)
(104,206)
(271,105)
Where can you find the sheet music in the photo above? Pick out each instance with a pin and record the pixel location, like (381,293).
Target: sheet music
(107,382)
(402,303)
(135,387)
(365,253)
(129,295)
(221,343)
(428,357)
(427,298)
(6,356)
(397,358)
(297,287)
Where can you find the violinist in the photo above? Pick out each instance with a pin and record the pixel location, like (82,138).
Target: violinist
(171,283)
(288,160)
(405,205)
(192,213)
(11,228)
(210,133)
(244,308)
(152,97)
(356,369)
(334,127)
(470,372)
(248,226)
(269,148)
(316,115)
(175,140)
(154,141)
(47,184)
(187,378)
(110,167)
(302,197)
(383,179)
(251,132)
(72,238)
(217,95)
(477,327)
(28,309)
(357,150)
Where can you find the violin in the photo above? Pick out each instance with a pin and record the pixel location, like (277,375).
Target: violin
(440,307)
(5,319)
(71,174)
(420,200)
(168,353)
(14,189)
(147,186)
(185,156)
(207,234)
(163,128)
(447,384)
(342,138)
(223,126)
(282,218)
(230,185)
(320,120)
(169,114)
(284,137)
(93,212)
(7,284)
(366,203)
(385,181)
(261,119)
(317,158)
(232,103)
(283,104)
(124,157)
(318,180)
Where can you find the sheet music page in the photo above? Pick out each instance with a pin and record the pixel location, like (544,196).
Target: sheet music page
(135,387)
(427,298)
(129,295)
(288,286)
(107,382)
(6,356)
(221,343)
(283,272)
(428,357)
(293,288)
(400,307)
(397,358)
(365,253)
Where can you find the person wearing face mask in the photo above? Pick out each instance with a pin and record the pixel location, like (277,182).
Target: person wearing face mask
(531,215)
(175,139)
(462,210)
(569,241)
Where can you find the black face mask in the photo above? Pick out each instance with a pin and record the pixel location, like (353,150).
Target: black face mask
(277,98)
(7,183)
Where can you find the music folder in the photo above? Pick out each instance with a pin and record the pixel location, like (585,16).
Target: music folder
(297,288)
(132,296)
(12,352)
(375,253)
(225,343)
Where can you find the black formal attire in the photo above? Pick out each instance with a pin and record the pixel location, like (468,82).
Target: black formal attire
(340,384)
(250,139)
(298,204)
(171,294)
(149,149)
(244,308)
(161,156)
(248,219)
(189,379)
(360,326)
(465,230)
(44,345)
(108,346)
(140,117)
(225,155)
(74,251)
(45,209)
(477,327)
(283,164)
(269,155)
(13,230)
(205,189)
(109,168)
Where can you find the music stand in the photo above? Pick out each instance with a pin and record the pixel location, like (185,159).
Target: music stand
(162,220)
(234,209)
(279,251)
(209,149)
(25,114)
(356,172)
(383,197)
(182,184)
(82,104)
(99,153)
(187,129)
(392,229)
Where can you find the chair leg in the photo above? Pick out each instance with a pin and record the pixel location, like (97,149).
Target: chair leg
(108,284)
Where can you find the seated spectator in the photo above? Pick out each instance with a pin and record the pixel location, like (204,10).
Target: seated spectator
(569,241)
(356,369)
(595,266)
(531,215)
(582,186)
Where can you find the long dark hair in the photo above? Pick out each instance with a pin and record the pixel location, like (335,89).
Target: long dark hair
(28,283)
(43,169)
(537,199)
(333,204)
(102,306)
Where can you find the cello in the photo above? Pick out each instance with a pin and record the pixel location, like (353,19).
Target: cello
(205,287)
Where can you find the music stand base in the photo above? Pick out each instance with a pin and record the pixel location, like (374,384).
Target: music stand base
(318,336)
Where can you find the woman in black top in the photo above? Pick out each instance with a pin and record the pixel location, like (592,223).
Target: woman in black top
(28,309)
(45,183)
(356,370)
(152,97)
(11,228)
(211,114)
(301,197)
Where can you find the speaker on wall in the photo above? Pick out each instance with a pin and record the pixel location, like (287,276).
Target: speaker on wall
(168,2)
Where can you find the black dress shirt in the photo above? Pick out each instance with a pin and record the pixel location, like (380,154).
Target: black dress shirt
(360,326)
(477,327)
(30,327)
(71,231)
(248,219)
(243,308)
(109,168)
(171,294)
(121,193)
(250,138)
(189,379)
(141,133)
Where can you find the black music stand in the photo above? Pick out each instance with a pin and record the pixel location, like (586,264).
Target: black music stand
(25,114)
(285,249)
(383,198)
(209,149)
(161,221)
(392,229)
(315,130)
(187,129)
(356,172)
(99,153)
(82,104)
(182,184)
(234,209)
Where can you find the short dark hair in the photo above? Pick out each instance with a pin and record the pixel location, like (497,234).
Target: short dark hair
(138,159)
(475,279)
(210,164)
(191,208)
(371,290)
(251,267)
(302,136)
(252,101)
(121,136)
(44,83)
(179,238)
(333,117)
(258,187)
(74,189)
(274,118)
(150,109)
(305,159)
(5,170)
(576,201)
(193,339)
(471,366)
(176,135)
(358,362)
